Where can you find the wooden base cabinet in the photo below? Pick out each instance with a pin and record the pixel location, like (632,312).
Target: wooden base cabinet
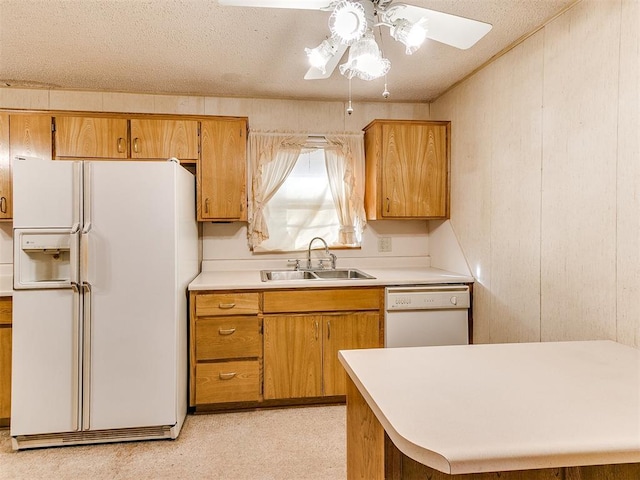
(5,360)
(277,347)
(301,349)
(225,348)
(292,356)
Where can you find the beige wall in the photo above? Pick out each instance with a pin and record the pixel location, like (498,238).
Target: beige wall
(229,241)
(546,180)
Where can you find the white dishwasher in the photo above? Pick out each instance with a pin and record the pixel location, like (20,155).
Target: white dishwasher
(426,315)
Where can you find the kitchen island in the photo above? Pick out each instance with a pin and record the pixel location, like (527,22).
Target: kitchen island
(565,410)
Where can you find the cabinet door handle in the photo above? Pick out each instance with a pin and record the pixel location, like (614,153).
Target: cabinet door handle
(328,329)
(226,331)
(388,204)
(3,204)
(226,376)
(317,329)
(226,306)
(120,145)
(135,144)
(206,205)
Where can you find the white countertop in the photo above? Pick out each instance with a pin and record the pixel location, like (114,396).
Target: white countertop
(483,408)
(244,277)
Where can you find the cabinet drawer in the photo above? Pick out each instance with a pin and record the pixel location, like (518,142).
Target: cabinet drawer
(228,337)
(5,310)
(212,304)
(330,300)
(227,382)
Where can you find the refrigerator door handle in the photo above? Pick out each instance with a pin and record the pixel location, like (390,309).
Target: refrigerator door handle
(74,258)
(86,356)
(77,356)
(87,197)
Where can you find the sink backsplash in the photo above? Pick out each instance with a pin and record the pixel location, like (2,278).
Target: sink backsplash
(408,238)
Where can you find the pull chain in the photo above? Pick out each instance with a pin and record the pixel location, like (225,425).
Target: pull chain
(350,107)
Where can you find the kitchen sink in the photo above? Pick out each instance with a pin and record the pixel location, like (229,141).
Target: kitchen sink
(337,274)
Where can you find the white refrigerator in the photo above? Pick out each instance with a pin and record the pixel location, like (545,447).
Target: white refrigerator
(103,254)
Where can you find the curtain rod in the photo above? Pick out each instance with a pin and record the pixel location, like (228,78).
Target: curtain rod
(309,135)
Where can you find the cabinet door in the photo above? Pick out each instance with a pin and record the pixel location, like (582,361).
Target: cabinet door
(414,170)
(86,137)
(5,169)
(345,332)
(5,359)
(222,174)
(292,356)
(162,139)
(5,372)
(29,135)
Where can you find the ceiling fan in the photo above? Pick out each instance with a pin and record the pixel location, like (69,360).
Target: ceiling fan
(352,22)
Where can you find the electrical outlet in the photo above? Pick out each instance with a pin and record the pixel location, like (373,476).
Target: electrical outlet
(384,244)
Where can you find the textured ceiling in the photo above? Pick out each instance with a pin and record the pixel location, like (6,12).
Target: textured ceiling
(199,47)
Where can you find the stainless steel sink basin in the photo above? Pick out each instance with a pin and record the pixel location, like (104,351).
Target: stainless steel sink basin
(340,274)
(267,275)
(337,274)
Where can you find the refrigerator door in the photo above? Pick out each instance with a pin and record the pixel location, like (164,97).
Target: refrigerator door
(45,362)
(45,193)
(129,280)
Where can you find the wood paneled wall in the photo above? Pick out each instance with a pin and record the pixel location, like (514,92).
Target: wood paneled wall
(546,180)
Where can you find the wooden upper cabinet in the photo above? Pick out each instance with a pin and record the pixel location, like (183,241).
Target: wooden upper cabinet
(5,169)
(407,166)
(27,135)
(87,137)
(162,139)
(222,175)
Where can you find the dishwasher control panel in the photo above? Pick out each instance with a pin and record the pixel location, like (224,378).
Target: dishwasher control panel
(427,297)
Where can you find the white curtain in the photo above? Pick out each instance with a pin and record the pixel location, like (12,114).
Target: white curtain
(345,168)
(272,156)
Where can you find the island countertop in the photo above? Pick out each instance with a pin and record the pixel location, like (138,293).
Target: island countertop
(486,408)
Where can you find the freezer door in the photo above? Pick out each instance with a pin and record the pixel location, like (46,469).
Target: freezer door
(129,242)
(45,193)
(45,368)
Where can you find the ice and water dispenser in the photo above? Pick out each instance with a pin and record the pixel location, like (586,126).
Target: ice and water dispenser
(43,259)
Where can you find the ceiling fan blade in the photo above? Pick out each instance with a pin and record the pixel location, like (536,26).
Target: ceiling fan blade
(453,30)
(316,74)
(300,4)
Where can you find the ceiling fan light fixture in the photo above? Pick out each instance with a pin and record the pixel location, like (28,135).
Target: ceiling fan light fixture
(348,21)
(412,35)
(319,56)
(365,60)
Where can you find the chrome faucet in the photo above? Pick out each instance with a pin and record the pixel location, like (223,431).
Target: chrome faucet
(326,250)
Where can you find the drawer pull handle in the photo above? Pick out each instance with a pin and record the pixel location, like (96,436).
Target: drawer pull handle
(227,376)
(226,331)
(226,306)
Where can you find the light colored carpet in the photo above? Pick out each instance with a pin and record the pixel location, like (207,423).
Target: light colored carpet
(292,444)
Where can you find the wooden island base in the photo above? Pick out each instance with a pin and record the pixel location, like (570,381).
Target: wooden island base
(372,456)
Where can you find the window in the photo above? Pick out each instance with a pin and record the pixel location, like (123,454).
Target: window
(298,193)
(303,207)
